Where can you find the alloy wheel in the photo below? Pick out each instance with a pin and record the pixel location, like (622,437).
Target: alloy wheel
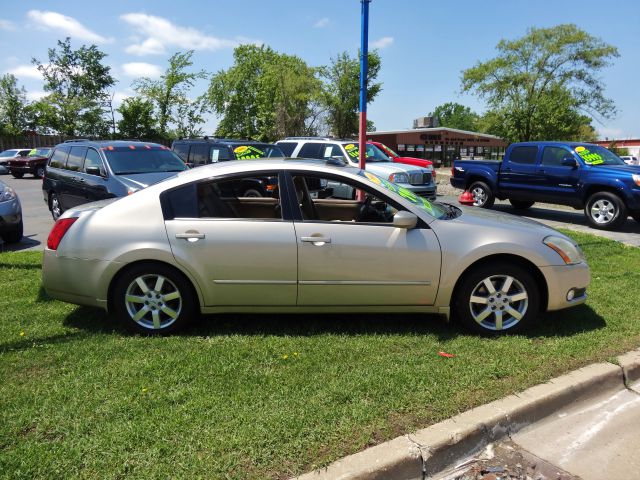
(603,211)
(153,301)
(498,302)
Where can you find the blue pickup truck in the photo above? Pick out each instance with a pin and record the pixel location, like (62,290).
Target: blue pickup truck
(581,175)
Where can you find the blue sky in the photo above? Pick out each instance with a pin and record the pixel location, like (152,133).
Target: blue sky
(424,44)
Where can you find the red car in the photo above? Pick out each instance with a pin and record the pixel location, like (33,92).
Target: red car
(418,162)
(34,163)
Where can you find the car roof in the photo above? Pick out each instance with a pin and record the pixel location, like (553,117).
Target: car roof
(103,143)
(553,144)
(226,141)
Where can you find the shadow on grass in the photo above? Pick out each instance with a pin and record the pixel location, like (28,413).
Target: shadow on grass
(556,324)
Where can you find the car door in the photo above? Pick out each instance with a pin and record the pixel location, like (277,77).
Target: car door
(95,185)
(241,249)
(560,182)
(73,191)
(519,176)
(351,257)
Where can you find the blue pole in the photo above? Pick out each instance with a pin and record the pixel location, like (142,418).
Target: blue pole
(364,65)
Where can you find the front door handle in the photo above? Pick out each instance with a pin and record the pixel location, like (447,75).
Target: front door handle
(316,240)
(191,236)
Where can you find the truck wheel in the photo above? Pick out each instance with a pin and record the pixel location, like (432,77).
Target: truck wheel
(17,174)
(605,211)
(39,173)
(636,216)
(15,235)
(520,204)
(497,298)
(482,195)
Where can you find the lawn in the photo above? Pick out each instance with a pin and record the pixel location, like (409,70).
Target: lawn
(255,396)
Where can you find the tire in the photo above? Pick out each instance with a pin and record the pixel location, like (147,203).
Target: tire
(252,193)
(15,235)
(17,174)
(39,173)
(636,216)
(167,305)
(482,195)
(605,211)
(54,206)
(521,204)
(496,313)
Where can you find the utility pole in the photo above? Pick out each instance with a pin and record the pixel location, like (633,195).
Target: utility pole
(364,66)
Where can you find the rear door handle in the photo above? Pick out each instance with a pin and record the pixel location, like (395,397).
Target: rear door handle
(316,240)
(191,236)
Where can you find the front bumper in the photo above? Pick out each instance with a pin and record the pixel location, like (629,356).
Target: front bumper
(20,168)
(563,278)
(10,214)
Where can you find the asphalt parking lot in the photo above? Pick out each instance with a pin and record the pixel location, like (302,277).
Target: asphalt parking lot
(38,221)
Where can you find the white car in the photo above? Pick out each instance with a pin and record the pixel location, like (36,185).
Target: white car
(629,159)
(418,180)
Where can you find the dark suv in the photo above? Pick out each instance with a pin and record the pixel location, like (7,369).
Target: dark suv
(201,151)
(82,171)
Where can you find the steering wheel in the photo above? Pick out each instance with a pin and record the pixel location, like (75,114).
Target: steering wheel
(363,210)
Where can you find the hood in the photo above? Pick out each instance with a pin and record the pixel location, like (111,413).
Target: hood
(617,169)
(384,169)
(143,180)
(421,161)
(482,217)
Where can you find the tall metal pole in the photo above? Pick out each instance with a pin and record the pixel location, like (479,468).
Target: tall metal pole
(364,65)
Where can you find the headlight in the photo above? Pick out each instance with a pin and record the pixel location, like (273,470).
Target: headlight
(7,194)
(570,253)
(636,179)
(399,178)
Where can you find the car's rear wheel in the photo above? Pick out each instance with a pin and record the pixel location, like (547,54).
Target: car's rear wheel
(605,211)
(54,206)
(521,204)
(153,299)
(14,235)
(497,299)
(482,195)
(39,173)
(17,174)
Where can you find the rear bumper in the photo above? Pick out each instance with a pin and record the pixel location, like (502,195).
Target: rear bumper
(563,279)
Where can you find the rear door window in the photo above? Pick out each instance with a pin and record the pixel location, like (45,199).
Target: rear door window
(76,158)
(198,155)
(525,154)
(59,157)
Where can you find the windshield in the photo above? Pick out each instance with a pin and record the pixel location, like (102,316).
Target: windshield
(374,154)
(433,209)
(596,155)
(145,159)
(390,151)
(39,152)
(249,152)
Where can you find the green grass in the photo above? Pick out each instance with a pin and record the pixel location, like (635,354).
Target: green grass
(255,396)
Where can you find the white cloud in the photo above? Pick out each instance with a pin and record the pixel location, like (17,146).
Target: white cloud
(611,133)
(7,25)
(67,25)
(323,22)
(119,97)
(160,33)
(382,42)
(26,71)
(141,69)
(33,95)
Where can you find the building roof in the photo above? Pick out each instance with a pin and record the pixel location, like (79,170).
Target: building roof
(433,129)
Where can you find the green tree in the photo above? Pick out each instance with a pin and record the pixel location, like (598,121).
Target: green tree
(538,82)
(171,90)
(265,95)
(137,119)
(13,106)
(342,91)
(454,115)
(190,115)
(77,84)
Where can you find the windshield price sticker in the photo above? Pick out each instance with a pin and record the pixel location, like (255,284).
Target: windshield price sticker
(352,150)
(590,158)
(403,192)
(245,152)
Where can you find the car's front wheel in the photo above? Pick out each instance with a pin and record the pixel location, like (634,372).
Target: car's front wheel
(14,235)
(17,174)
(39,173)
(482,195)
(54,206)
(153,299)
(605,211)
(520,204)
(497,299)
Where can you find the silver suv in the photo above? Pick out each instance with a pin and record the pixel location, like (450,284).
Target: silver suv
(418,180)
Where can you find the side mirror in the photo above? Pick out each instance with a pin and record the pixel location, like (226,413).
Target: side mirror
(404,219)
(94,171)
(569,162)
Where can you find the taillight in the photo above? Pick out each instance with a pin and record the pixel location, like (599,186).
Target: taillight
(433,173)
(58,231)
(452,171)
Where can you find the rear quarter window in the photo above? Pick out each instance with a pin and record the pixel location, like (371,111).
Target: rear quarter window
(526,155)
(287,147)
(59,157)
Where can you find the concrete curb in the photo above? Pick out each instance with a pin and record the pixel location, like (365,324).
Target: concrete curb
(431,450)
